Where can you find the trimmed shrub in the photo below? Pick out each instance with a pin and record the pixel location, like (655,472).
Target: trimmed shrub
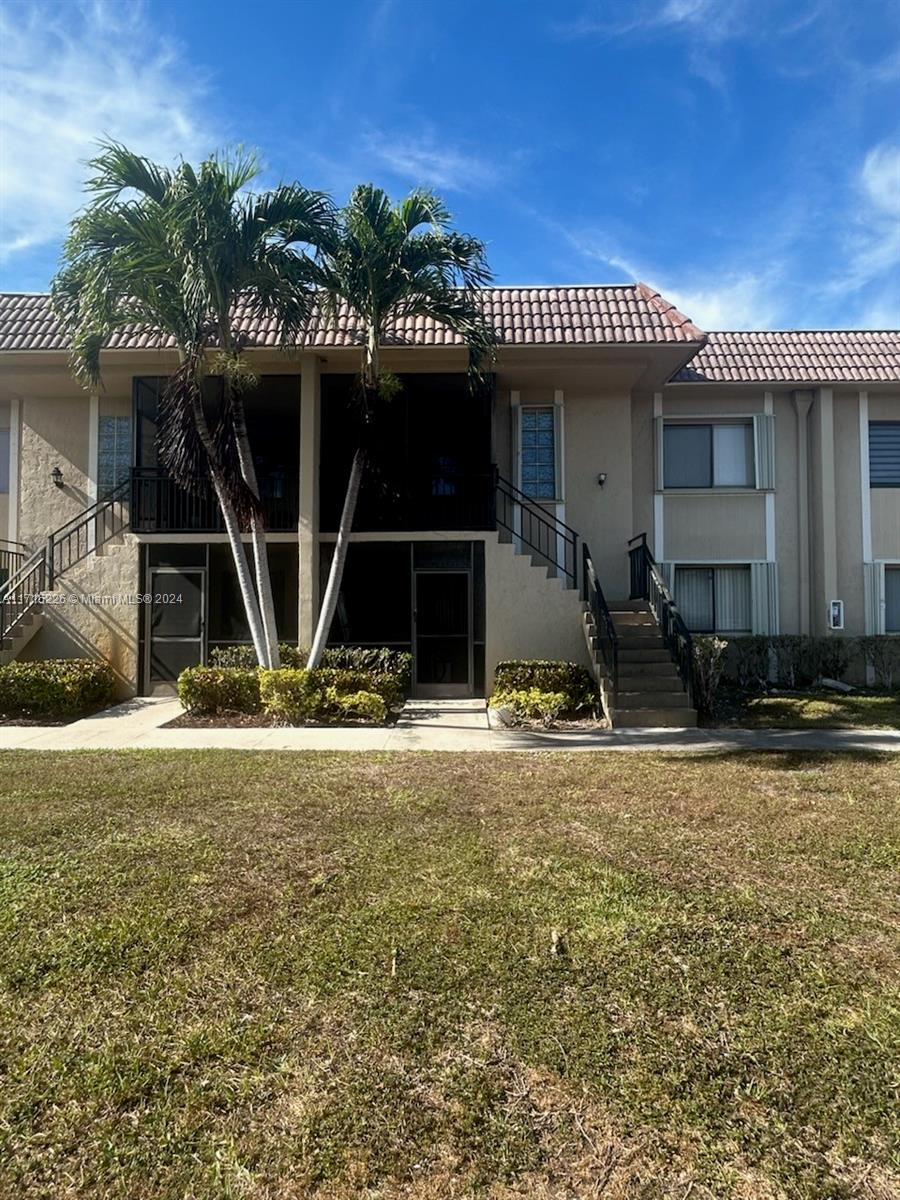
(325,695)
(708,665)
(376,659)
(389,687)
(212,690)
(570,679)
(55,687)
(531,703)
(835,656)
(751,661)
(882,654)
(245,656)
(368,705)
(291,695)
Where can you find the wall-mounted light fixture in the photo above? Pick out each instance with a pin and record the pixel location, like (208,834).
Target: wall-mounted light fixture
(57,476)
(601,478)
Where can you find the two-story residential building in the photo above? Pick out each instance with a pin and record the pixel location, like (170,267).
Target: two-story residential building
(764,469)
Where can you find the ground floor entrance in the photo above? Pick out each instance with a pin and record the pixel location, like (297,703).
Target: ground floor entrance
(425,597)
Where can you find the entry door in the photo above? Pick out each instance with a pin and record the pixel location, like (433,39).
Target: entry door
(176,624)
(442,622)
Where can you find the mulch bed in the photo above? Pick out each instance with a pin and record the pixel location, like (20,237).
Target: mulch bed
(236,720)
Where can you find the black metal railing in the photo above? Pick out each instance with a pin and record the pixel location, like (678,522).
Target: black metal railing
(160,505)
(534,526)
(22,592)
(12,555)
(604,626)
(648,584)
(88,531)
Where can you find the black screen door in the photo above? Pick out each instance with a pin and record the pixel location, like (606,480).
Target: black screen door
(443,633)
(176,622)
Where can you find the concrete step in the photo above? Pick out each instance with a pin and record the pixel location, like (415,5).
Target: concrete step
(663,699)
(626,621)
(643,654)
(652,681)
(654,718)
(640,641)
(664,669)
(619,606)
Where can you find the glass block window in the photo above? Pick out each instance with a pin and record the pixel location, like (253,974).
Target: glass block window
(538,434)
(114,453)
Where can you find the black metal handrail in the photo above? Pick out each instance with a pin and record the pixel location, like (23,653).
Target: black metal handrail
(536,528)
(88,531)
(648,584)
(160,505)
(607,637)
(10,560)
(22,591)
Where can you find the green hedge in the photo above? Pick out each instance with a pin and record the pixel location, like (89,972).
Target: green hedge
(377,659)
(211,690)
(245,656)
(531,703)
(324,695)
(570,679)
(55,687)
(291,694)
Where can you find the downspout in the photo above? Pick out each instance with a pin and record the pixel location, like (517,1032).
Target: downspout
(803,403)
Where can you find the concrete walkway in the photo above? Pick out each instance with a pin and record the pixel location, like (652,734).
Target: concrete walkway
(424,725)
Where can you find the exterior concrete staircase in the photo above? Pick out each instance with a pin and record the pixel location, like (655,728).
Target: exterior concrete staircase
(649,691)
(28,575)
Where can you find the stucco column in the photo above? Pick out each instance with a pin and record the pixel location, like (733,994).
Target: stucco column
(802,404)
(823,510)
(308,525)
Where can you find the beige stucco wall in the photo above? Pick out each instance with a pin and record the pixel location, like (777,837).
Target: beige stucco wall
(56,432)
(5,422)
(719,527)
(527,614)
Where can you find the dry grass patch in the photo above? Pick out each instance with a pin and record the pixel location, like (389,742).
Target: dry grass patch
(274,976)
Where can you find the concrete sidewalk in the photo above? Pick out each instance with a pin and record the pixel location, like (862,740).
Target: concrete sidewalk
(459,726)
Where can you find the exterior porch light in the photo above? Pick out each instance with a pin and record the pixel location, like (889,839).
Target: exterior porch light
(601,478)
(57,476)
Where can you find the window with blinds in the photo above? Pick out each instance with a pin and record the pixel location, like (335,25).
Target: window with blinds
(714,599)
(113,453)
(706,456)
(538,450)
(884,454)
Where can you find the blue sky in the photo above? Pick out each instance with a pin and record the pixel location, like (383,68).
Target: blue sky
(743,156)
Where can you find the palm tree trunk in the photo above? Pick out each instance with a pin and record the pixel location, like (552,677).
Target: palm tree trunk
(233,529)
(258,538)
(335,575)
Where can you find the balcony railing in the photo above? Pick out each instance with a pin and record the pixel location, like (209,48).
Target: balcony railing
(159,505)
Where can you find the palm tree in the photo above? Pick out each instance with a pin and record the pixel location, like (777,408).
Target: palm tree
(174,251)
(390,261)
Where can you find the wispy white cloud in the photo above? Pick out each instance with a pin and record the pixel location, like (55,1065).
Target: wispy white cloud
(431,162)
(73,73)
(777,277)
(870,249)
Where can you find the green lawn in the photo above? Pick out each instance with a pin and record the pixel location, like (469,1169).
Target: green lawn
(824,710)
(424,976)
